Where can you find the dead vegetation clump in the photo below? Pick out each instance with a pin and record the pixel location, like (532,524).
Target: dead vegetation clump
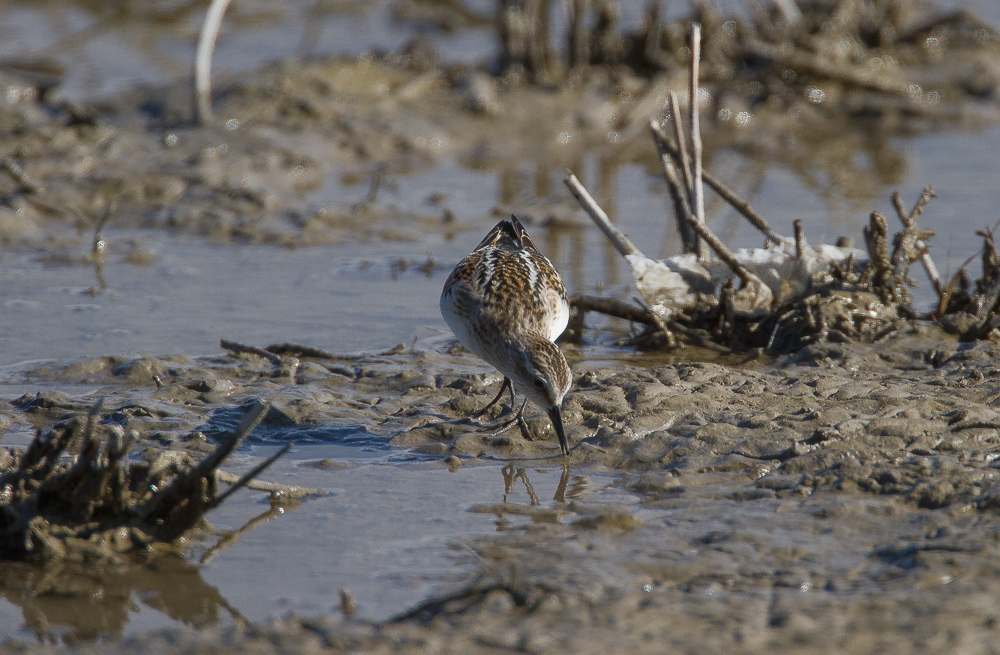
(865,58)
(99,504)
(788,294)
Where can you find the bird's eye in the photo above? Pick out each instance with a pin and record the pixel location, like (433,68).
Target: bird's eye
(539,383)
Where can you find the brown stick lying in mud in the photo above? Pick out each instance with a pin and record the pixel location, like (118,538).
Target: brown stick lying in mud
(800,60)
(240,348)
(304,351)
(636,314)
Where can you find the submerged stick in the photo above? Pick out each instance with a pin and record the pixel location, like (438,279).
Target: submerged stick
(617,238)
(233,536)
(203,61)
(98,247)
(275,488)
(249,475)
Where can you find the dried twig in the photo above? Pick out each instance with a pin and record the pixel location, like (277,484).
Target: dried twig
(909,221)
(12,169)
(697,189)
(612,307)
(203,61)
(723,253)
(740,205)
(617,238)
(181,504)
(682,208)
(685,160)
(101,504)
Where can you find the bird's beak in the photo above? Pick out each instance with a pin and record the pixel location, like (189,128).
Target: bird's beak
(555,415)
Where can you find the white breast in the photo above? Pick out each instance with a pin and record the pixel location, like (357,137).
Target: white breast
(558,314)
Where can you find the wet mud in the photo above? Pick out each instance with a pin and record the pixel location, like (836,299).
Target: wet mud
(841,497)
(824,500)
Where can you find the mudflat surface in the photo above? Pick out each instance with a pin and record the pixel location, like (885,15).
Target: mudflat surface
(842,498)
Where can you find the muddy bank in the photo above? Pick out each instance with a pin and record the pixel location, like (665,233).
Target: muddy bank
(844,497)
(287,131)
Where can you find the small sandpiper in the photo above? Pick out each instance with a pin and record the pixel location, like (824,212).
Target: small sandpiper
(507,304)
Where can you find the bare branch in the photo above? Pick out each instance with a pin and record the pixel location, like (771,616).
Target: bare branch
(203,61)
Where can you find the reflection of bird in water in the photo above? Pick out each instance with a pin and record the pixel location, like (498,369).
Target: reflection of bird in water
(511,475)
(507,304)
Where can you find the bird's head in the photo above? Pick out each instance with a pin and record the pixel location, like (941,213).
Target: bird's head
(543,376)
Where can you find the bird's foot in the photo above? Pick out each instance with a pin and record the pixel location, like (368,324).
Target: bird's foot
(497,430)
(506,386)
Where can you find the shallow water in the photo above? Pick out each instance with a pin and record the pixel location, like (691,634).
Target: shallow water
(389,531)
(359,296)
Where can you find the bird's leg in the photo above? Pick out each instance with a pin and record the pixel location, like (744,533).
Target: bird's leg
(506,386)
(517,420)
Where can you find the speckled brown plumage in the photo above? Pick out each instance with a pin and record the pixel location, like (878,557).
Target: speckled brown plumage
(507,304)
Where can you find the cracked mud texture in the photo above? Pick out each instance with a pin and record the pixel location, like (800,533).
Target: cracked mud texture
(843,498)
